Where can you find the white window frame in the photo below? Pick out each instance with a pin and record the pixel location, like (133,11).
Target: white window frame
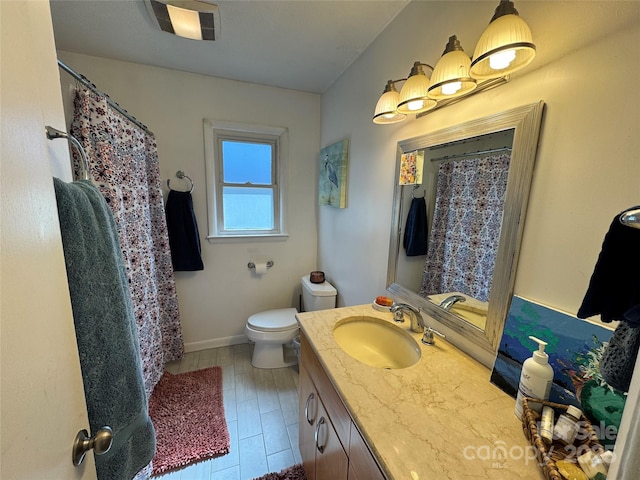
(214,132)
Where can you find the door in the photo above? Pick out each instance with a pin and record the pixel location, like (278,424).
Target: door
(307,418)
(42,399)
(331,460)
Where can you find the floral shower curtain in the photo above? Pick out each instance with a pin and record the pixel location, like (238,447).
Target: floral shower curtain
(123,164)
(466,226)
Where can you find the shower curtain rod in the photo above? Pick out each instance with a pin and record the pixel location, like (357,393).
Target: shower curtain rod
(471,154)
(85,81)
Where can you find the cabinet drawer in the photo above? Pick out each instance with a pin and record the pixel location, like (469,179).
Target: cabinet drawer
(332,402)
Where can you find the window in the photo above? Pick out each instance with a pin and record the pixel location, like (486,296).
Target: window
(245,169)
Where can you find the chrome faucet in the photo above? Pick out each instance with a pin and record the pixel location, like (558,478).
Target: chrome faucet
(428,338)
(448,302)
(417,324)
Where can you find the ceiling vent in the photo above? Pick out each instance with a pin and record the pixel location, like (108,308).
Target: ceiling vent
(197,20)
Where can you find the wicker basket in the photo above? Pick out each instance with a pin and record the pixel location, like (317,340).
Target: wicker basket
(548,455)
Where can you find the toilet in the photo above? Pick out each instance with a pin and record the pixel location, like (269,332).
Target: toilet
(273,330)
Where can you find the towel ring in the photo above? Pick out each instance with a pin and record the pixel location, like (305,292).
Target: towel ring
(181,175)
(415,187)
(631,218)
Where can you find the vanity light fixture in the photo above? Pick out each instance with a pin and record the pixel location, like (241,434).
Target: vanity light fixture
(451,76)
(414,96)
(505,46)
(194,19)
(386,108)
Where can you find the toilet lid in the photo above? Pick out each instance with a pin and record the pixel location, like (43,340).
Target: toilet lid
(274,320)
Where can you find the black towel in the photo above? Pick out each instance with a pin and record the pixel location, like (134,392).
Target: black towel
(415,232)
(614,289)
(184,239)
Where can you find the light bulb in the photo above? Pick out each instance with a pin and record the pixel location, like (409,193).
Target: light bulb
(389,115)
(415,105)
(451,88)
(501,60)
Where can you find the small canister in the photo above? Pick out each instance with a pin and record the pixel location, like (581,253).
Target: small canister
(316,277)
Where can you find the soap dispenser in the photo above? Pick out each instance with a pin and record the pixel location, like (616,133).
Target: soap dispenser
(536,378)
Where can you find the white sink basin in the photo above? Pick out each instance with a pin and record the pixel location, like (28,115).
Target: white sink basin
(376,342)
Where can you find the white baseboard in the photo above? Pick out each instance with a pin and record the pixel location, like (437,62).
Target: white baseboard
(215,343)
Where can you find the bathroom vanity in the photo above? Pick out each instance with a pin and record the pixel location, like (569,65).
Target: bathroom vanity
(439,418)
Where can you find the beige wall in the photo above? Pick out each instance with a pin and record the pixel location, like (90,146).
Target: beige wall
(587,170)
(585,173)
(215,303)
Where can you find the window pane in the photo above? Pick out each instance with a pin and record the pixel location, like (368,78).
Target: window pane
(247,208)
(244,162)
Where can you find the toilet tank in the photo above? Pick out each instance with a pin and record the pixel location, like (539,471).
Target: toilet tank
(317,296)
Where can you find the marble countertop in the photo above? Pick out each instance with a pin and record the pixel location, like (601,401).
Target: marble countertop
(438,419)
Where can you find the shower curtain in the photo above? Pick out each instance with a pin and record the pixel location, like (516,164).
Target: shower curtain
(123,164)
(466,226)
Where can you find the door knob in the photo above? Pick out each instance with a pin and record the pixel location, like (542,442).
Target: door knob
(100,442)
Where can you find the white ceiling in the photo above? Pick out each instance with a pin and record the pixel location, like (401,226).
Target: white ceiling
(302,44)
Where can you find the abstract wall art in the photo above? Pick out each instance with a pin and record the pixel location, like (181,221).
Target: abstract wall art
(575,348)
(332,188)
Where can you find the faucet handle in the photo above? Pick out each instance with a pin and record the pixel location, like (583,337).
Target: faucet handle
(428,338)
(398,315)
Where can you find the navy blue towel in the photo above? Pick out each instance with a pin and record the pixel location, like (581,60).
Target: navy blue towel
(415,232)
(614,289)
(184,239)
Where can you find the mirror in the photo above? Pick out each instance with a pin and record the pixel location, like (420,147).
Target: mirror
(504,147)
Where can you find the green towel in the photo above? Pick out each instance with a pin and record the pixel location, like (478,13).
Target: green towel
(106,329)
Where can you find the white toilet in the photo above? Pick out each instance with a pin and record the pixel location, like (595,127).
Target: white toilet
(273,329)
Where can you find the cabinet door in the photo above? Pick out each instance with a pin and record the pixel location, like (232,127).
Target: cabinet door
(307,420)
(362,465)
(332,462)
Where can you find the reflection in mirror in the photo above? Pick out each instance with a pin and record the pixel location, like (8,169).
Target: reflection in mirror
(475,183)
(463,185)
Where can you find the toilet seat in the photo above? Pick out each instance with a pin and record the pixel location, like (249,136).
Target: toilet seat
(279,320)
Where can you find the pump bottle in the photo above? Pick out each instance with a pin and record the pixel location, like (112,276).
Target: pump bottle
(536,378)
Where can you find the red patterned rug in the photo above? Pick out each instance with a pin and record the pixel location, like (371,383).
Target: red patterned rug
(292,473)
(188,415)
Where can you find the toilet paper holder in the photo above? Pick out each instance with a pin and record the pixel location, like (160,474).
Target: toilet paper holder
(252,265)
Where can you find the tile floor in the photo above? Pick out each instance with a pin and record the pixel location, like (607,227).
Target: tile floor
(261,408)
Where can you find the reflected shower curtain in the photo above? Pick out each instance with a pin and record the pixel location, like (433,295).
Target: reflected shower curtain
(466,226)
(123,164)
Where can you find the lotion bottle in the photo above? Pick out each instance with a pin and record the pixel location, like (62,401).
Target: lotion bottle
(536,378)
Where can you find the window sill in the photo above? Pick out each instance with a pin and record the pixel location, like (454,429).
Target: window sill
(247,237)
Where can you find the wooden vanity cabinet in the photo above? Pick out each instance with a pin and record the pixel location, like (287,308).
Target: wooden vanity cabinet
(362,465)
(330,444)
(323,455)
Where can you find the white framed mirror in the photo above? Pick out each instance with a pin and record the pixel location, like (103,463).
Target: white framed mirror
(482,271)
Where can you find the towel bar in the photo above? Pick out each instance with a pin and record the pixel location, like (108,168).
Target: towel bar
(53,133)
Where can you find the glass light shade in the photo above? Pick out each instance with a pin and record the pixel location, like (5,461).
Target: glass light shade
(386,108)
(194,19)
(414,95)
(505,47)
(186,23)
(451,76)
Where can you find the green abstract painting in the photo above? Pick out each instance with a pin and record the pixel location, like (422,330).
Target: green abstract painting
(332,188)
(575,348)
